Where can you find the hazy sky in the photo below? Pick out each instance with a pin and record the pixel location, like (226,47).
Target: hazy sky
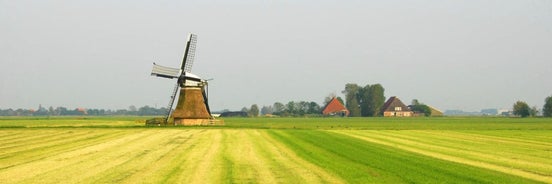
(468,55)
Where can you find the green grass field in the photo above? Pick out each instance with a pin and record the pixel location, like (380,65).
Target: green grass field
(277,150)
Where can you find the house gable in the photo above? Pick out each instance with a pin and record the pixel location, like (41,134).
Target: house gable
(334,107)
(395,107)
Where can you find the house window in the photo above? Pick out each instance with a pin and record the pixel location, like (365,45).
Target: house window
(398,108)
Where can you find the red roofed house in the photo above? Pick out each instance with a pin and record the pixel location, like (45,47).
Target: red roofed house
(335,108)
(394,107)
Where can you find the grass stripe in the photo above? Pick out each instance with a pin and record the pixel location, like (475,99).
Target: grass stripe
(482,150)
(413,147)
(30,156)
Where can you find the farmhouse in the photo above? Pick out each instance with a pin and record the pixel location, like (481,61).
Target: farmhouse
(395,108)
(335,108)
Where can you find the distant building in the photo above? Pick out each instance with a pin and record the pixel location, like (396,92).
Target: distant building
(82,110)
(489,112)
(435,111)
(234,114)
(335,108)
(395,108)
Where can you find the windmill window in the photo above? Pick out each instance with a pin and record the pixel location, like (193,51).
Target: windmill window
(398,108)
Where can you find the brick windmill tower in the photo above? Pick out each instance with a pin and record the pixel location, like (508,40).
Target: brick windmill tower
(192,107)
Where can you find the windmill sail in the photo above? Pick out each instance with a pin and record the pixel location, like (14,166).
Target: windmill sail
(165,72)
(189,53)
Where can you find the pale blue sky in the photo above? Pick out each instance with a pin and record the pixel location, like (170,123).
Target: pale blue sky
(465,55)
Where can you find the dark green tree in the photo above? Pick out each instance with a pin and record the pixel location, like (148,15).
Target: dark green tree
(376,99)
(267,110)
(254,110)
(418,107)
(522,109)
(364,100)
(351,99)
(534,111)
(314,108)
(547,108)
(291,107)
(278,108)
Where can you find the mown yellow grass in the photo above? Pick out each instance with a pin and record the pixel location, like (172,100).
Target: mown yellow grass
(256,157)
(444,153)
(285,158)
(153,156)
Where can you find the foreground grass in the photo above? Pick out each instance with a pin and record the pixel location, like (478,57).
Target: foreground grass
(360,161)
(277,150)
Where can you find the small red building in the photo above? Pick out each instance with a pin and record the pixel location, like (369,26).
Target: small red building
(335,108)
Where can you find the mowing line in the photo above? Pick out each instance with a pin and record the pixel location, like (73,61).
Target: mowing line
(441,156)
(474,154)
(62,160)
(186,162)
(136,159)
(32,155)
(284,156)
(207,168)
(44,140)
(487,138)
(28,136)
(162,163)
(246,162)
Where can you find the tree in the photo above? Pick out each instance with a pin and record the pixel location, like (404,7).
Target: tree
(254,110)
(51,111)
(351,99)
(267,110)
(547,108)
(376,99)
(314,108)
(278,108)
(291,107)
(364,100)
(534,111)
(132,108)
(371,99)
(418,107)
(522,109)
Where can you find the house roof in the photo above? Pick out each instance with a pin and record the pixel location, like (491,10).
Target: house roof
(435,111)
(334,106)
(393,102)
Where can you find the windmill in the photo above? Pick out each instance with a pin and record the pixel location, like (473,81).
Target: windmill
(192,107)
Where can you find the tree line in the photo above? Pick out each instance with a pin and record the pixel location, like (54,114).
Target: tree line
(360,101)
(63,111)
(292,108)
(522,109)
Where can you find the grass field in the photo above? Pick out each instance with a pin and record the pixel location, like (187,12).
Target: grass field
(277,150)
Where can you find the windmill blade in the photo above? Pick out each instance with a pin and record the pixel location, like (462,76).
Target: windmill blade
(171,102)
(206,99)
(165,72)
(189,53)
